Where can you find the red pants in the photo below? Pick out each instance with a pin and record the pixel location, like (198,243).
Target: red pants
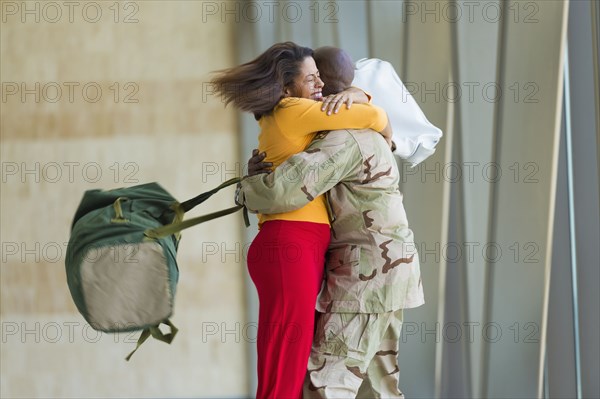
(286,262)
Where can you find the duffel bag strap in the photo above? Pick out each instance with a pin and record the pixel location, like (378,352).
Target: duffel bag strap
(174,228)
(155,332)
(119,211)
(191,203)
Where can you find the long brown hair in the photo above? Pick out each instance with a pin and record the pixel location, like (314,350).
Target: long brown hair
(257,86)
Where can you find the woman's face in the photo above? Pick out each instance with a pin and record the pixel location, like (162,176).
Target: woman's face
(307,84)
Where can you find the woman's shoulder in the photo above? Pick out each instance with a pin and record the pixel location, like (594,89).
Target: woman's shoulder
(290,102)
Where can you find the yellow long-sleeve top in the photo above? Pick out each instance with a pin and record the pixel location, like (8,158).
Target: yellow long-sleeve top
(291,127)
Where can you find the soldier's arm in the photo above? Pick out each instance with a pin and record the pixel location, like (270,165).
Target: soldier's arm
(302,177)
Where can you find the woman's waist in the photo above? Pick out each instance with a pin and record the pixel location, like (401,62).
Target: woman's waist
(315,211)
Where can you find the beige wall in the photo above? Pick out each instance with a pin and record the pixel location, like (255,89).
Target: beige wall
(171,134)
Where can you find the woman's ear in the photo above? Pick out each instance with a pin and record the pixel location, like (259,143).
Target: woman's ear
(290,90)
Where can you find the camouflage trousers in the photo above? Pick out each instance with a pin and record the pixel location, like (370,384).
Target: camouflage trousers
(354,355)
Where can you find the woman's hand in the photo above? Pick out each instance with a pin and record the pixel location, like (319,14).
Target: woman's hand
(333,102)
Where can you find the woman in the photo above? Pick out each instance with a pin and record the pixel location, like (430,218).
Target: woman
(283,90)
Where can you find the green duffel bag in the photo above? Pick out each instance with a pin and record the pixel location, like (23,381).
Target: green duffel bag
(121,257)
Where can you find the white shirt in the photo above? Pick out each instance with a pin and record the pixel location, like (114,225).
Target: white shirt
(414,135)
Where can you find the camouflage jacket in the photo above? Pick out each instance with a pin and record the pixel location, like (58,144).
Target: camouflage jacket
(372,262)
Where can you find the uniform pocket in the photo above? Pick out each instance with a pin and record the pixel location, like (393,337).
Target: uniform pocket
(341,334)
(341,277)
(348,255)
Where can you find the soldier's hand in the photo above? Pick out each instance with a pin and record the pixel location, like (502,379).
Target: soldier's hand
(256,164)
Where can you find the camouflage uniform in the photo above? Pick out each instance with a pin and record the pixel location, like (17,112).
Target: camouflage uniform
(372,269)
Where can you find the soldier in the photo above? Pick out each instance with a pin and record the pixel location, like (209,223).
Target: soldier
(372,269)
